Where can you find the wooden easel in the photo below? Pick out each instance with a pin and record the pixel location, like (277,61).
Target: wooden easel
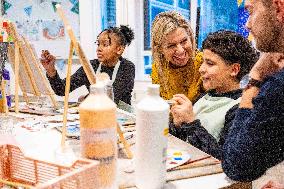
(3,94)
(90,75)
(23,56)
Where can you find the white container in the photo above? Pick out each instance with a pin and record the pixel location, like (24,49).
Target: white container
(152,122)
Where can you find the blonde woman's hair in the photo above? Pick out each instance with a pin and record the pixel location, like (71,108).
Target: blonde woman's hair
(163,24)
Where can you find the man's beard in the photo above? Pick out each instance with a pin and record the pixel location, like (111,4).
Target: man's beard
(271,42)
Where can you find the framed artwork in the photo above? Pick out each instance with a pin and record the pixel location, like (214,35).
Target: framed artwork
(39,23)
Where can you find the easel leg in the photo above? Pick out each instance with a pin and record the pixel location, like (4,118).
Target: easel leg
(55,105)
(3,93)
(26,98)
(124,142)
(67,90)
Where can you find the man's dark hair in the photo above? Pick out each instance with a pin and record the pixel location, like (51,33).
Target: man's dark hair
(233,48)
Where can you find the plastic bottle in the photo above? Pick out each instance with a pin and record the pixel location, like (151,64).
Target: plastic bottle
(99,135)
(152,122)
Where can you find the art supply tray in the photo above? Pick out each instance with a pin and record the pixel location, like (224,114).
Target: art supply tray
(19,171)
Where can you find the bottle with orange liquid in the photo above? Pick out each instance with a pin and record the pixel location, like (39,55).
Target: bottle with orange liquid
(99,135)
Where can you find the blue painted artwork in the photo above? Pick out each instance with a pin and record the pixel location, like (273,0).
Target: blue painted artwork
(75,8)
(156,10)
(147,65)
(184,4)
(169,2)
(243,17)
(74,2)
(108,13)
(53,30)
(6,6)
(217,15)
(28,10)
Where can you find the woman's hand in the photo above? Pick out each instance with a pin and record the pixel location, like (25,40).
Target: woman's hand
(182,110)
(48,61)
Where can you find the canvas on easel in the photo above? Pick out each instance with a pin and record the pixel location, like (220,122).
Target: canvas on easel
(74,45)
(29,74)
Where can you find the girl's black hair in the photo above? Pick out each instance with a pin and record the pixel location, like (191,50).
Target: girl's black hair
(233,48)
(124,33)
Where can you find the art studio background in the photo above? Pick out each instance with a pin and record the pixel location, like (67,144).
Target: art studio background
(38,21)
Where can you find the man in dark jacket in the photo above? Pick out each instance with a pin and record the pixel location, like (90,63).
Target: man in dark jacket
(255,142)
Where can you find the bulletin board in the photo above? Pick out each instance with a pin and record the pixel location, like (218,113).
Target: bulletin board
(38,21)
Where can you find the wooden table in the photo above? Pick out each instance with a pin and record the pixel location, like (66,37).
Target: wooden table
(202,170)
(200,164)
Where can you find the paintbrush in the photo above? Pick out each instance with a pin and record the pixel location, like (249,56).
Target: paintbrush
(170,102)
(128,124)
(191,164)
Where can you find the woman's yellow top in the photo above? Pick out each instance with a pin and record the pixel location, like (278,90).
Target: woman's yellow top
(180,80)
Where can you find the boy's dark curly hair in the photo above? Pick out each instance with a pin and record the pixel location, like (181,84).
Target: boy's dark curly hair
(233,48)
(125,34)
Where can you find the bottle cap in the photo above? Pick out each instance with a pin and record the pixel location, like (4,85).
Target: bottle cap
(99,88)
(153,89)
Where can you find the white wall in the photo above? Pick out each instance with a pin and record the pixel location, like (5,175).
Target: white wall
(130,12)
(90,26)
(193,14)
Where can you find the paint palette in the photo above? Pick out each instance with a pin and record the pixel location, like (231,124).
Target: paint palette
(73,130)
(176,158)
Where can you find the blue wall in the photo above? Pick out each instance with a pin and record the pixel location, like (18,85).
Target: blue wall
(216,15)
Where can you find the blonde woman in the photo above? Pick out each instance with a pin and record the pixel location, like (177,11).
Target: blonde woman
(175,59)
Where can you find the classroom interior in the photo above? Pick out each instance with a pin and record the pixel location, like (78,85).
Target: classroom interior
(90,17)
(44,28)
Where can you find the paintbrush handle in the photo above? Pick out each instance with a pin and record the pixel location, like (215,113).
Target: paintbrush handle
(191,164)
(130,125)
